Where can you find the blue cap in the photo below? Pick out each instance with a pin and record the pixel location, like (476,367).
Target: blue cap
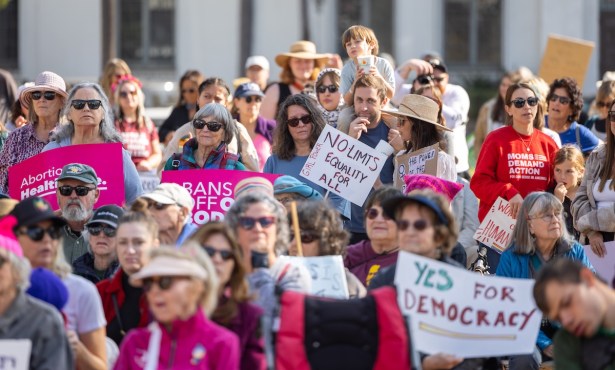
(288,184)
(47,287)
(248,89)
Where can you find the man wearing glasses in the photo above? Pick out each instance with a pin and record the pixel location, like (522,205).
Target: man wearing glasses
(77,192)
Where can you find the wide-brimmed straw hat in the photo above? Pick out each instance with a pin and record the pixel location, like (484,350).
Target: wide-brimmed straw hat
(302,50)
(419,107)
(47,81)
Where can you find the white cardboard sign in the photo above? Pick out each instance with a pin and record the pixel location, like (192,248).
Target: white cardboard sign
(15,354)
(497,227)
(605,267)
(343,165)
(328,275)
(455,311)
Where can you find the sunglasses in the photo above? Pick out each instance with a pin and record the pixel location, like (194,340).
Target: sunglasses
(80,104)
(323,89)
(211,251)
(191,91)
(294,122)
(212,126)
(256,99)
(372,213)
(124,94)
(520,102)
(48,95)
(562,99)
(418,225)
(37,233)
(611,116)
(164,282)
(604,104)
(305,237)
(157,206)
(438,79)
(248,223)
(96,229)
(81,190)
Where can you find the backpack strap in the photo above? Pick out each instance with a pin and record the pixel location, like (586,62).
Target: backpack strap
(578,134)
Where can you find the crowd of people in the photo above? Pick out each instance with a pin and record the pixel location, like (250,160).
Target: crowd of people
(142,285)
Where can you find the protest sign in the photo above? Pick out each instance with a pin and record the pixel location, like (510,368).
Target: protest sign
(422,161)
(327,272)
(37,175)
(566,57)
(15,354)
(605,266)
(343,165)
(496,229)
(213,191)
(452,310)
(149,180)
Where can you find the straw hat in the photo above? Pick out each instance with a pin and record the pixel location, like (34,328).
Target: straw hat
(47,81)
(302,50)
(419,107)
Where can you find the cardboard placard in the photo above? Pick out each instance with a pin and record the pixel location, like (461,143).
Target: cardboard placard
(343,165)
(497,227)
(15,354)
(327,272)
(566,57)
(212,190)
(37,175)
(422,161)
(452,310)
(605,267)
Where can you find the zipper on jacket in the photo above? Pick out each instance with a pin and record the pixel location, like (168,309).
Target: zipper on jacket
(172,354)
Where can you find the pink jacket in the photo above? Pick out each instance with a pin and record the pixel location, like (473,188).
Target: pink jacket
(196,343)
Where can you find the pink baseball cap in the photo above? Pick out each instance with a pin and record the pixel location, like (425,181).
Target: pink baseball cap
(7,237)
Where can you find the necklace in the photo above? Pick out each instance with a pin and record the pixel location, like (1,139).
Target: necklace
(527,146)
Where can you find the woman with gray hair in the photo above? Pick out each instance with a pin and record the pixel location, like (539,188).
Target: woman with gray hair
(23,317)
(90,121)
(213,128)
(539,236)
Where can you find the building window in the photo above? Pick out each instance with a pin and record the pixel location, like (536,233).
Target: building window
(472,32)
(8,29)
(375,14)
(147,32)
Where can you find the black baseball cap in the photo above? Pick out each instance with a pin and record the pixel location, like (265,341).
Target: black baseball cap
(109,215)
(33,210)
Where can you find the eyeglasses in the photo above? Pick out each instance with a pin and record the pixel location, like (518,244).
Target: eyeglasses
(373,213)
(124,94)
(562,99)
(323,89)
(418,225)
(520,102)
(305,237)
(294,122)
(163,282)
(191,91)
(157,206)
(48,95)
(80,104)
(612,116)
(256,99)
(604,104)
(37,233)
(547,218)
(96,229)
(248,223)
(212,126)
(81,190)
(211,251)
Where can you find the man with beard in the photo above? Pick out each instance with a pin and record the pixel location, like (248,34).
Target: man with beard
(77,193)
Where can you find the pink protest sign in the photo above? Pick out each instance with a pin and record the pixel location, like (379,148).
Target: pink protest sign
(37,175)
(213,191)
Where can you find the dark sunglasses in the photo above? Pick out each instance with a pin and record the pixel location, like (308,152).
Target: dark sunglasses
(323,89)
(256,99)
(191,91)
(157,206)
(212,126)
(294,122)
(562,99)
(612,116)
(80,104)
(211,251)
(418,225)
(163,282)
(124,94)
(305,237)
(372,213)
(248,223)
(96,229)
(438,79)
(520,102)
(48,95)
(67,190)
(604,104)
(37,233)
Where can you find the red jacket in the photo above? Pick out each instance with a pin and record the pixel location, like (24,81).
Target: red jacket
(113,286)
(505,167)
